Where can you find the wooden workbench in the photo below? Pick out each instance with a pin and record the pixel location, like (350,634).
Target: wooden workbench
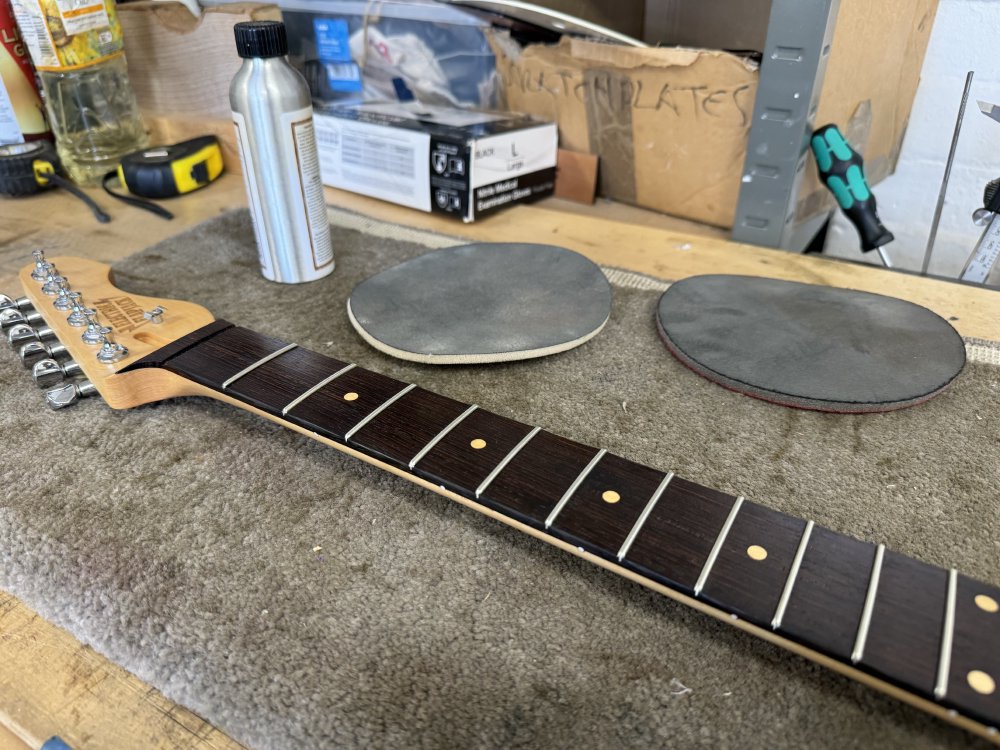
(50,684)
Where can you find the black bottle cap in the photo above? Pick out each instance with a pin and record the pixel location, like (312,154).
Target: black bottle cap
(261,39)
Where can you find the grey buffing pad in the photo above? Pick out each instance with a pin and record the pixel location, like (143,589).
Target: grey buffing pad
(485,302)
(807,346)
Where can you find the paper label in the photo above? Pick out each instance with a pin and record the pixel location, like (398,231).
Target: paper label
(387,163)
(501,157)
(69,34)
(316,226)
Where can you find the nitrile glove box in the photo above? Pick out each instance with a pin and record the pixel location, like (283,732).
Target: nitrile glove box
(458,162)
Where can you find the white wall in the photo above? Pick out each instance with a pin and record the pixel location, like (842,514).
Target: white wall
(965,36)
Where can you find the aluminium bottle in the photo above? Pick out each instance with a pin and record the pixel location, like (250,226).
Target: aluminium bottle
(272,111)
(78,51)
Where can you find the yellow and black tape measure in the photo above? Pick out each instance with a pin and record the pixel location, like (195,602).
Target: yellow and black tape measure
(166,172)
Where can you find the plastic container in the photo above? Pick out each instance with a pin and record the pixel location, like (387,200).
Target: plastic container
(21,113)
(352,50)
(78,52)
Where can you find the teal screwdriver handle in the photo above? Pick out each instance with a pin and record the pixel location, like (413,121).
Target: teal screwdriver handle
(842,170)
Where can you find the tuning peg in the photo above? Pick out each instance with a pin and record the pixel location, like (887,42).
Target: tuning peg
(111,351)
(68,394)
(21,303)
(48,372)
(12,316)
(79,315)
(41,267)
(62,302)
(34,351)
(94,335)
(21,333)
(155,315)
(53,283)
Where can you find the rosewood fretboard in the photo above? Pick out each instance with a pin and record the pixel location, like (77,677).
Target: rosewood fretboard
(931,632)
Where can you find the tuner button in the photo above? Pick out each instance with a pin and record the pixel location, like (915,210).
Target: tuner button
(33,351)
(46,373)
(68,394)
(11,317)
(21,303)
(21,333)
(110,352)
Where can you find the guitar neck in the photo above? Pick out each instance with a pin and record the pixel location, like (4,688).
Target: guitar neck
(926,635)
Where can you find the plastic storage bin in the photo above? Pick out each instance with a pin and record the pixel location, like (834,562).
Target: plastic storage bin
(356,50)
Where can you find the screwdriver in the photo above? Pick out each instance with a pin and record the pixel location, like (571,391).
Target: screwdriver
(842,170)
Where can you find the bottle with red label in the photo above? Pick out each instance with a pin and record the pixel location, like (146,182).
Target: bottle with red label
(22,116)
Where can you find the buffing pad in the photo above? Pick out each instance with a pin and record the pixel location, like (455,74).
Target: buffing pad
(486,302)
(807,346)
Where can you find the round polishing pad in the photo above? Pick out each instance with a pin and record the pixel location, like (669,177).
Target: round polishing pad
(486,302)
(812,347)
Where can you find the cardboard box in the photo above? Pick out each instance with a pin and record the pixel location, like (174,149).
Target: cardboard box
(670,124)
(456,162)
(180,67)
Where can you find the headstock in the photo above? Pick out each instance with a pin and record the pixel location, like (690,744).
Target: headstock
(74,323)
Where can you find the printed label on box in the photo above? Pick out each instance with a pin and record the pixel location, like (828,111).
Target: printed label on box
(381,162)
(334,50)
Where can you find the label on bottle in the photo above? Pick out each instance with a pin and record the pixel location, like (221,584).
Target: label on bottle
(289,219)
(315,226)
(69,34)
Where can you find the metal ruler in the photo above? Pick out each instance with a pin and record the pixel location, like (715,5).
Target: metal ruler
(984,256)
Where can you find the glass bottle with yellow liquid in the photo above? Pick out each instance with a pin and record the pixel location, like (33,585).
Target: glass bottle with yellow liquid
(77,48)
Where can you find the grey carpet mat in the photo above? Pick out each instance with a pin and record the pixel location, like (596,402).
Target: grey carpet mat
(296,597)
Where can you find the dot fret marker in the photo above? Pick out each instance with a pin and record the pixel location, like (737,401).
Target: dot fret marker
(351,396)
(478,443)
(987,603)
(610,496)
(756,552)
(981,682)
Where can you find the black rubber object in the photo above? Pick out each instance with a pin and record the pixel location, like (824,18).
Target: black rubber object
(17,174)
(807,346)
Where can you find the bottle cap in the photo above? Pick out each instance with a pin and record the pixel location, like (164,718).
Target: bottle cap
(261,39)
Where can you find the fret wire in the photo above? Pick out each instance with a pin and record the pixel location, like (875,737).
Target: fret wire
(866,613)
(378,411)
(717,547)
(258,363)
(437,438)
(793,573)
(573,487)
(637,526)
(947,634)
(506,460)
(330,378)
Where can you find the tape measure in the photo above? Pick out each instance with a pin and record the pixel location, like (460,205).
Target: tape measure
(169,171)
(166,172)
(25,167)
(28,168)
